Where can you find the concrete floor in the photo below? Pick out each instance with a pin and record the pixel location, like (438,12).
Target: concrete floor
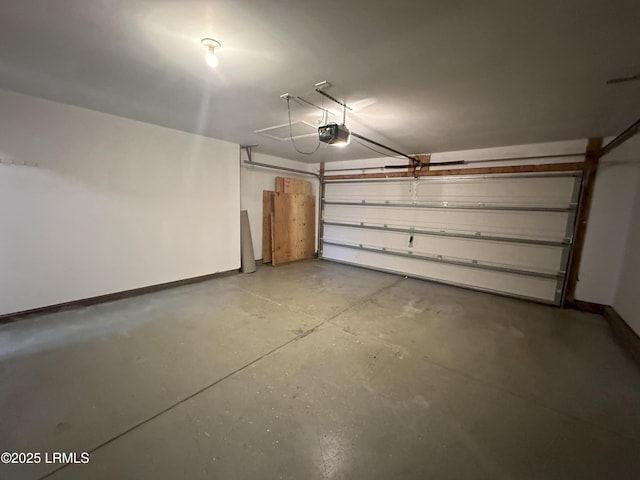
(318,370)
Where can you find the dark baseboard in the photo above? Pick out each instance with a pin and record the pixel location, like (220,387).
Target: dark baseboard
(624,335)
(110,297)
(588,307)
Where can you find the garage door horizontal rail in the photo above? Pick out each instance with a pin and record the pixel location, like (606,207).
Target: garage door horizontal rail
(438,233)
(449,261)
(458,206)
(460,178)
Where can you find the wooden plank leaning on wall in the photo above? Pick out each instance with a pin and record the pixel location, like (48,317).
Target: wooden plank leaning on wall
(293,185)
(288,222)
(293,229)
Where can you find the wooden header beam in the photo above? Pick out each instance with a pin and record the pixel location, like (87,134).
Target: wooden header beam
(551,167)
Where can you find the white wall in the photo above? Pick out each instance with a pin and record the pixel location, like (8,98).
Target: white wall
(608,227)
(627,298)
(256,179)
(113,204)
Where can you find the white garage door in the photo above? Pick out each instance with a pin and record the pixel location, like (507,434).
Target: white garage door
(507,233)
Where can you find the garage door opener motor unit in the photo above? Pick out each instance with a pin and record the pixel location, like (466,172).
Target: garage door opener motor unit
(334,134)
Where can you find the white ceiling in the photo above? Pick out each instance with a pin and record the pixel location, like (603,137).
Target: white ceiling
(423,76)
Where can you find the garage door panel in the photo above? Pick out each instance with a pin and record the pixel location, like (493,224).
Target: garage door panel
(551,226)
(504,191)
(541,289)
(542,258)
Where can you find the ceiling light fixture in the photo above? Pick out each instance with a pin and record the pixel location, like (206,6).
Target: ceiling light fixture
(211,45)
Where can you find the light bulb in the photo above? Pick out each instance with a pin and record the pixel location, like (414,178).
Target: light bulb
(210,44)
(211,58)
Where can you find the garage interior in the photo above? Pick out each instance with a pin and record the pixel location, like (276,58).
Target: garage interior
(196,282)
